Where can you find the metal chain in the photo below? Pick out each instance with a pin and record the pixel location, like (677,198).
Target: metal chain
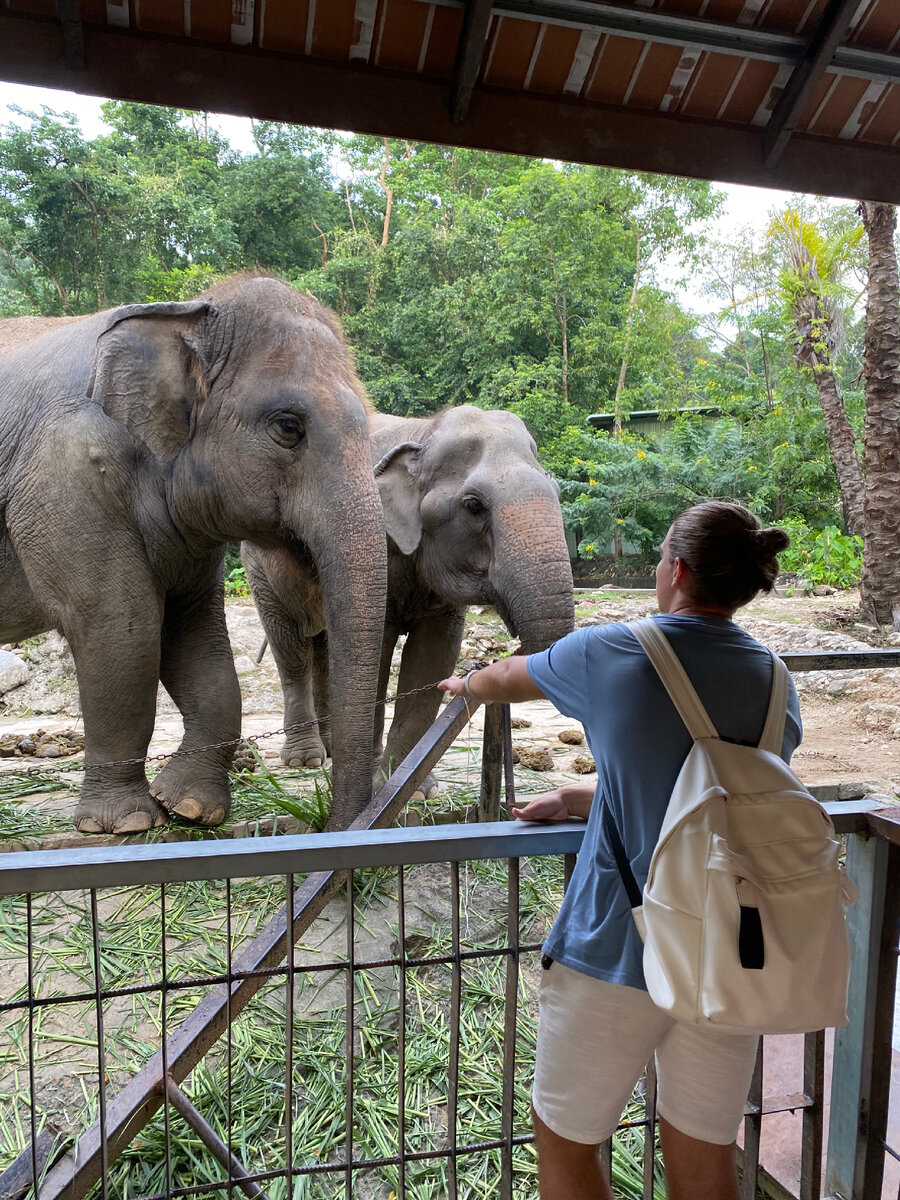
(235,742)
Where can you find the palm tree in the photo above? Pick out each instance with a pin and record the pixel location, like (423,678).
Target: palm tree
(811,286)
(880,587)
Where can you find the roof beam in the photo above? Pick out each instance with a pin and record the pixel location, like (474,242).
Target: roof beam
(154,69)
(675,30)
(828,35)
(475,29)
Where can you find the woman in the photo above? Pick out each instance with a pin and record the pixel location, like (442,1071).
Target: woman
(598,1026)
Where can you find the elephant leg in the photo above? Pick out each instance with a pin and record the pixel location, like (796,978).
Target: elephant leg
(383,766)
(303,745)
(430,654)
(117,664)
(292,637)
(322,689)
(197,670)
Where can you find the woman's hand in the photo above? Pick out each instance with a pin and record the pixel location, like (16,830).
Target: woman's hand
(572,800)
(549,807)
(455,685)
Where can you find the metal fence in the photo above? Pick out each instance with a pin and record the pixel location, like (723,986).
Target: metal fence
(157,1038)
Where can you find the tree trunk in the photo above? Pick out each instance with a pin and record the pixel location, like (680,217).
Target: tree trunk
(842,444)
(880,588)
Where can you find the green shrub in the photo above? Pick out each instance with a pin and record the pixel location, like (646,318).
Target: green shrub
(236,582)
(822,556)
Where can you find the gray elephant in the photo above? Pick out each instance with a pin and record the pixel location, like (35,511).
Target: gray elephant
(471,518)
(133,445)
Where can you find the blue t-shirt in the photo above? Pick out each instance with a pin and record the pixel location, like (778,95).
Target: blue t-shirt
(602,678)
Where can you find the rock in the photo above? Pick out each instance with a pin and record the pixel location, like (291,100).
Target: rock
(535,758)
(584,765)
(244,663)
(13,671)
(875,715)
(520,723)
(571,737)
(822,589)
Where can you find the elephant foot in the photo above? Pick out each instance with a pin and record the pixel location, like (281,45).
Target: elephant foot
(134,813)
(181,791)
(427,789)
(311,753)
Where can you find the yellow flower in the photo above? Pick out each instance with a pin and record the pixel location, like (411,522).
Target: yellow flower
(589,546)
(641,454)
(620,521)
(578,460)
(752,468)
(592,482)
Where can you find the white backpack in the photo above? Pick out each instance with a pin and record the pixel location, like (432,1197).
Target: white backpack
(743,911)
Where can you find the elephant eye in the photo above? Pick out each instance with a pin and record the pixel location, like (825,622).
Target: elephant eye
(473,505)
(286,430)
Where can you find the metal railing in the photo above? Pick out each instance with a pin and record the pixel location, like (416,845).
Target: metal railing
(428,1137)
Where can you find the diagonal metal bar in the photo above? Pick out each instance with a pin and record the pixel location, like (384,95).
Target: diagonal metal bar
(828,35)
(476,24)
(211,1140)
(129,1111)
(16,1179)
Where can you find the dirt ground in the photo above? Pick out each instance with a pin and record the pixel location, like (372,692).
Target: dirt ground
(851,718)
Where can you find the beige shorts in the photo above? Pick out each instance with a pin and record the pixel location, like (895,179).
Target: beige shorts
(594,1041)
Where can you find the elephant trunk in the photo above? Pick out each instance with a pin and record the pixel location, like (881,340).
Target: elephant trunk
(531,573)
(353,574)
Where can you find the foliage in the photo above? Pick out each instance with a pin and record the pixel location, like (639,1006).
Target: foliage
(824,556)
(236,582)
(467,277)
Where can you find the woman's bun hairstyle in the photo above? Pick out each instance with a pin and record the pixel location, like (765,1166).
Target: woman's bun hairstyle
(771,540)
(730,556)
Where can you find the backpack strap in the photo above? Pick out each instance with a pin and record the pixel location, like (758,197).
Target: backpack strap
(615,844)
(674,678)
(773,731)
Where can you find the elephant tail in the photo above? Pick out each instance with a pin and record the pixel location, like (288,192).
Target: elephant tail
(262,651)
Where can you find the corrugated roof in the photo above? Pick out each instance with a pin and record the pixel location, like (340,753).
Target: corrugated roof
(798,94)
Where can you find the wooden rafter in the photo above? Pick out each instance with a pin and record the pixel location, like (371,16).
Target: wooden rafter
(476,25)
(828,35)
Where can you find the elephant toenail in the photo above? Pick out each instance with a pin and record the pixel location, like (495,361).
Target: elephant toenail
(189,808)
(134,822)
(88,825)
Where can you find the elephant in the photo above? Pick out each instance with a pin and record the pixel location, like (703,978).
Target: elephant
(471,518)
(136,443)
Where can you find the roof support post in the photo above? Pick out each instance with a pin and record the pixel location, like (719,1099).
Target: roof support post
(828,35)
(476,25)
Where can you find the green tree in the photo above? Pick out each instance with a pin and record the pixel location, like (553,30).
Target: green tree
(814,293)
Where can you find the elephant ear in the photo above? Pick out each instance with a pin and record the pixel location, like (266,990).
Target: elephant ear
(398,486)
(151,371)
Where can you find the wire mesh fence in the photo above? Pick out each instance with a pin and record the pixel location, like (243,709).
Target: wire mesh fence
(391,1052)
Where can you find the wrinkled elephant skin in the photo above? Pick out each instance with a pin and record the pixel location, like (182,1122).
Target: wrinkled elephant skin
(134,445)
(471,518)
